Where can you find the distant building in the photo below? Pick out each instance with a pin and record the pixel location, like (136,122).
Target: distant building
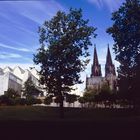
(9,80)
(15,78)
(96,80)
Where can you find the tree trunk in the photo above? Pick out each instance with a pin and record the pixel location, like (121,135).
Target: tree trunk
(61,107)
(73,104)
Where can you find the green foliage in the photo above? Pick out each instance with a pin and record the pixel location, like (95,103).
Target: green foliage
(58,99)
(89,95)
(9,97)
(5,100)
(38,101)
(30,90)
(64,40)
(27,101)
(126,34)
(20,101)
(48,100)
(82,100)
(71,98)
(105,92)
(31,100)
(92,96)
(11,93)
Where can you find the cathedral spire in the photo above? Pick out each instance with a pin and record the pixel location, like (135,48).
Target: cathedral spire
(96,68)
(109,66)
(108,58)
(95,60)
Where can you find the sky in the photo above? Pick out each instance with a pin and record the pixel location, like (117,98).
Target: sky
(20,20)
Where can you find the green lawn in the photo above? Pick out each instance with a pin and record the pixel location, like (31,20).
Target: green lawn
(38,113)
(43,122)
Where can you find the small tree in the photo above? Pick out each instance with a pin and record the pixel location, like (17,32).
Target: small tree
(64,41)
(82,101)
(30,100)
(57,99)
(105,92)
(89,96)
(48,100)
(9,98)
(71,98)
(11,93)
(30,90)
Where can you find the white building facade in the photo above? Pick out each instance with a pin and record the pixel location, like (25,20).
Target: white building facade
(15,78)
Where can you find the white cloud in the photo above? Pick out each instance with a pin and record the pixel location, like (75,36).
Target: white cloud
(14,48)
(98,3)
(111,4)
(5,55)
(16,24)
(37,11)
(48,10)
(12,57)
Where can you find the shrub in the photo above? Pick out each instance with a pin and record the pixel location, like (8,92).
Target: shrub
(4,100)
(32,100)
(20,101)
(48,100)
(38,101)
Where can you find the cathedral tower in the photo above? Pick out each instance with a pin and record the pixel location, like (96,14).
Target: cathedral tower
(96,81)
(96,67)
(110,74)
(109,66)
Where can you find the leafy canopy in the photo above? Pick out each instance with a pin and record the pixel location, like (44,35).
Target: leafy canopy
(89,94)
(64,41)
(126,34)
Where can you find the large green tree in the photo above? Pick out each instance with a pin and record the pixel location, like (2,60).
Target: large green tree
(126,34)
(64,40)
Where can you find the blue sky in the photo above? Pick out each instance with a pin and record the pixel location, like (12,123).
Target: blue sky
(19,22)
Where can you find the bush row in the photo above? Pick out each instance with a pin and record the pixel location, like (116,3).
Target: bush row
(4,100)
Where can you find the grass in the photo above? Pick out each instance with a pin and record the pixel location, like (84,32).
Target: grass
(38,113)
(36,122)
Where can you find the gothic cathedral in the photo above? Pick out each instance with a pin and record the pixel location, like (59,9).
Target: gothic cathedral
(96,80)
